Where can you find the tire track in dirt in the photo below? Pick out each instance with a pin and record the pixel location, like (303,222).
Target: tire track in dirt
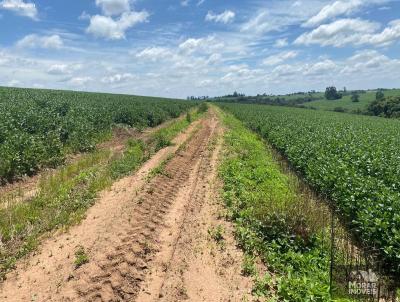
(117,274)
(49,274)
(190,266)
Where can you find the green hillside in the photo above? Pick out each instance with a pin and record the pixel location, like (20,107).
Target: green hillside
(347,104)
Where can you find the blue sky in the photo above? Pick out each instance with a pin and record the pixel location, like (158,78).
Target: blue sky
(177,48)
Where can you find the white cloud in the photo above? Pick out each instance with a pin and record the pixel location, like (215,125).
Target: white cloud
(389,35)
(200,2)
(338,8)
(185,2)
(226,17)
(63,69)
(107,27)
(321,68)
(366,60)
(281,43)
(113,7)
(351,31)
(118,78)
(80,81)
(339,33)
(259,24)
(20,7)
(279,58)
(214,58)
(36,41)
(335,9)
(279,16)
(84,16)
(241,77)
(208,45)
(154,53)
(204,83)
(285,70)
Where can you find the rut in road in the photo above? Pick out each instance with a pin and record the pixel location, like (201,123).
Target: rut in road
(117,275)
(191,265)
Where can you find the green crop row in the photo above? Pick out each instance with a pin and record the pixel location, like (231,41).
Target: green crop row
(39,127)
(353,160)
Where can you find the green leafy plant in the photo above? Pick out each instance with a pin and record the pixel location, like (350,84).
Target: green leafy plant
(81,257)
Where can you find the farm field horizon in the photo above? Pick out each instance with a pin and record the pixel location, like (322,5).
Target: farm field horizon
(197,150)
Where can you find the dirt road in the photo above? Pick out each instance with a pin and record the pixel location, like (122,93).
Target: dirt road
(145,239)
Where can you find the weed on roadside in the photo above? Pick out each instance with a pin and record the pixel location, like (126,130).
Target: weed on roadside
(217,233)
(81,257)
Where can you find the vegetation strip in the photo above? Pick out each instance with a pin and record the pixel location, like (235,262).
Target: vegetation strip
(273,221)
(64,197)
(351,159)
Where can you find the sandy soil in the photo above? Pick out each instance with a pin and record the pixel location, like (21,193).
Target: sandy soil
(147,240)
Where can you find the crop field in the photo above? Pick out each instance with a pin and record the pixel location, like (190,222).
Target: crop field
(38,128)
(147,191)
(353,160)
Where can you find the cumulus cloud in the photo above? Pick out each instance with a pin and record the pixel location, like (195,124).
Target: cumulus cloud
(366,60)
(154,53)
(240,75)
(281,43)
(279,58)
(285,70)
(226,17)
(339,33)
(63,69)
(338,8)
(208,44)
(351,31)
(107,27)
(332,10)
(320,68)
(113,7)
(20,7)
(36,41)
(389,35)
(118,78)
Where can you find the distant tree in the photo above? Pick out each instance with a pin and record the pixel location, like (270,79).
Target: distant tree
(387,107)
(235,94)
(332,94)
(355,98)
(379,95)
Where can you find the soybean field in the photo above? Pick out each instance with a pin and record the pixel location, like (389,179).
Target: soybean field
(352,160)
(38,128)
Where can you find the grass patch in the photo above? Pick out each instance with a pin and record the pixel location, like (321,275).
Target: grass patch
(217,233)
